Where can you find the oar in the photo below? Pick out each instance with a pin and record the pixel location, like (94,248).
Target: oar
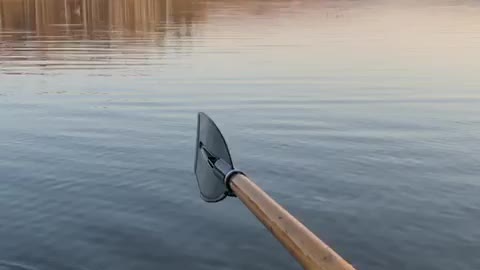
(217,178)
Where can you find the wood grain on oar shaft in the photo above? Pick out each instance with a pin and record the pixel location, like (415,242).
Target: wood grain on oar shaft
(305,246)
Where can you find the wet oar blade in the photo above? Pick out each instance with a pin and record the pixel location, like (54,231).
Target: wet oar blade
(210,146)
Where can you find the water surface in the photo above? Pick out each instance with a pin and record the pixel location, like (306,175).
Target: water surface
(361,117)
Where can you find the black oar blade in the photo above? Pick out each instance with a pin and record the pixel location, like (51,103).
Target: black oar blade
(211,149)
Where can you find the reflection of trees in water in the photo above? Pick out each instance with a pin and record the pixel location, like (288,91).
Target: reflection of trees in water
(94,17)
(111,32)
(128,17)
(125,31)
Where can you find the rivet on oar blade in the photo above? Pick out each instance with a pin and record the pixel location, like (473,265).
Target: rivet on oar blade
(212,160)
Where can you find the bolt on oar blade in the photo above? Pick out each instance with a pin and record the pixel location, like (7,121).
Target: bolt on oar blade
(211,153)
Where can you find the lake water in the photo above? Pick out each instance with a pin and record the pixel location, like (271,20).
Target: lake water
(360,117)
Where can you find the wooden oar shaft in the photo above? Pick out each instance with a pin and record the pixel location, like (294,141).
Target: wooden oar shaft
(304,245)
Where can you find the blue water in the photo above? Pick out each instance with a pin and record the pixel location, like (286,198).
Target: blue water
(361,118)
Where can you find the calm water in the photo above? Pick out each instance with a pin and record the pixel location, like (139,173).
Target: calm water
(361,117)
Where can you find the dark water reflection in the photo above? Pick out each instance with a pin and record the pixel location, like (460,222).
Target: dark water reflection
(362,117)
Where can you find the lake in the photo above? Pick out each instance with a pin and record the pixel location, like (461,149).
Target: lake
(361,117)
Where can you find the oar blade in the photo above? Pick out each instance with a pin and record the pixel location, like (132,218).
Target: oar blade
(210,143)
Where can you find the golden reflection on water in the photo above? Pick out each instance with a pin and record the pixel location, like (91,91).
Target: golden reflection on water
(105,34)
(40,35)
(86,18)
